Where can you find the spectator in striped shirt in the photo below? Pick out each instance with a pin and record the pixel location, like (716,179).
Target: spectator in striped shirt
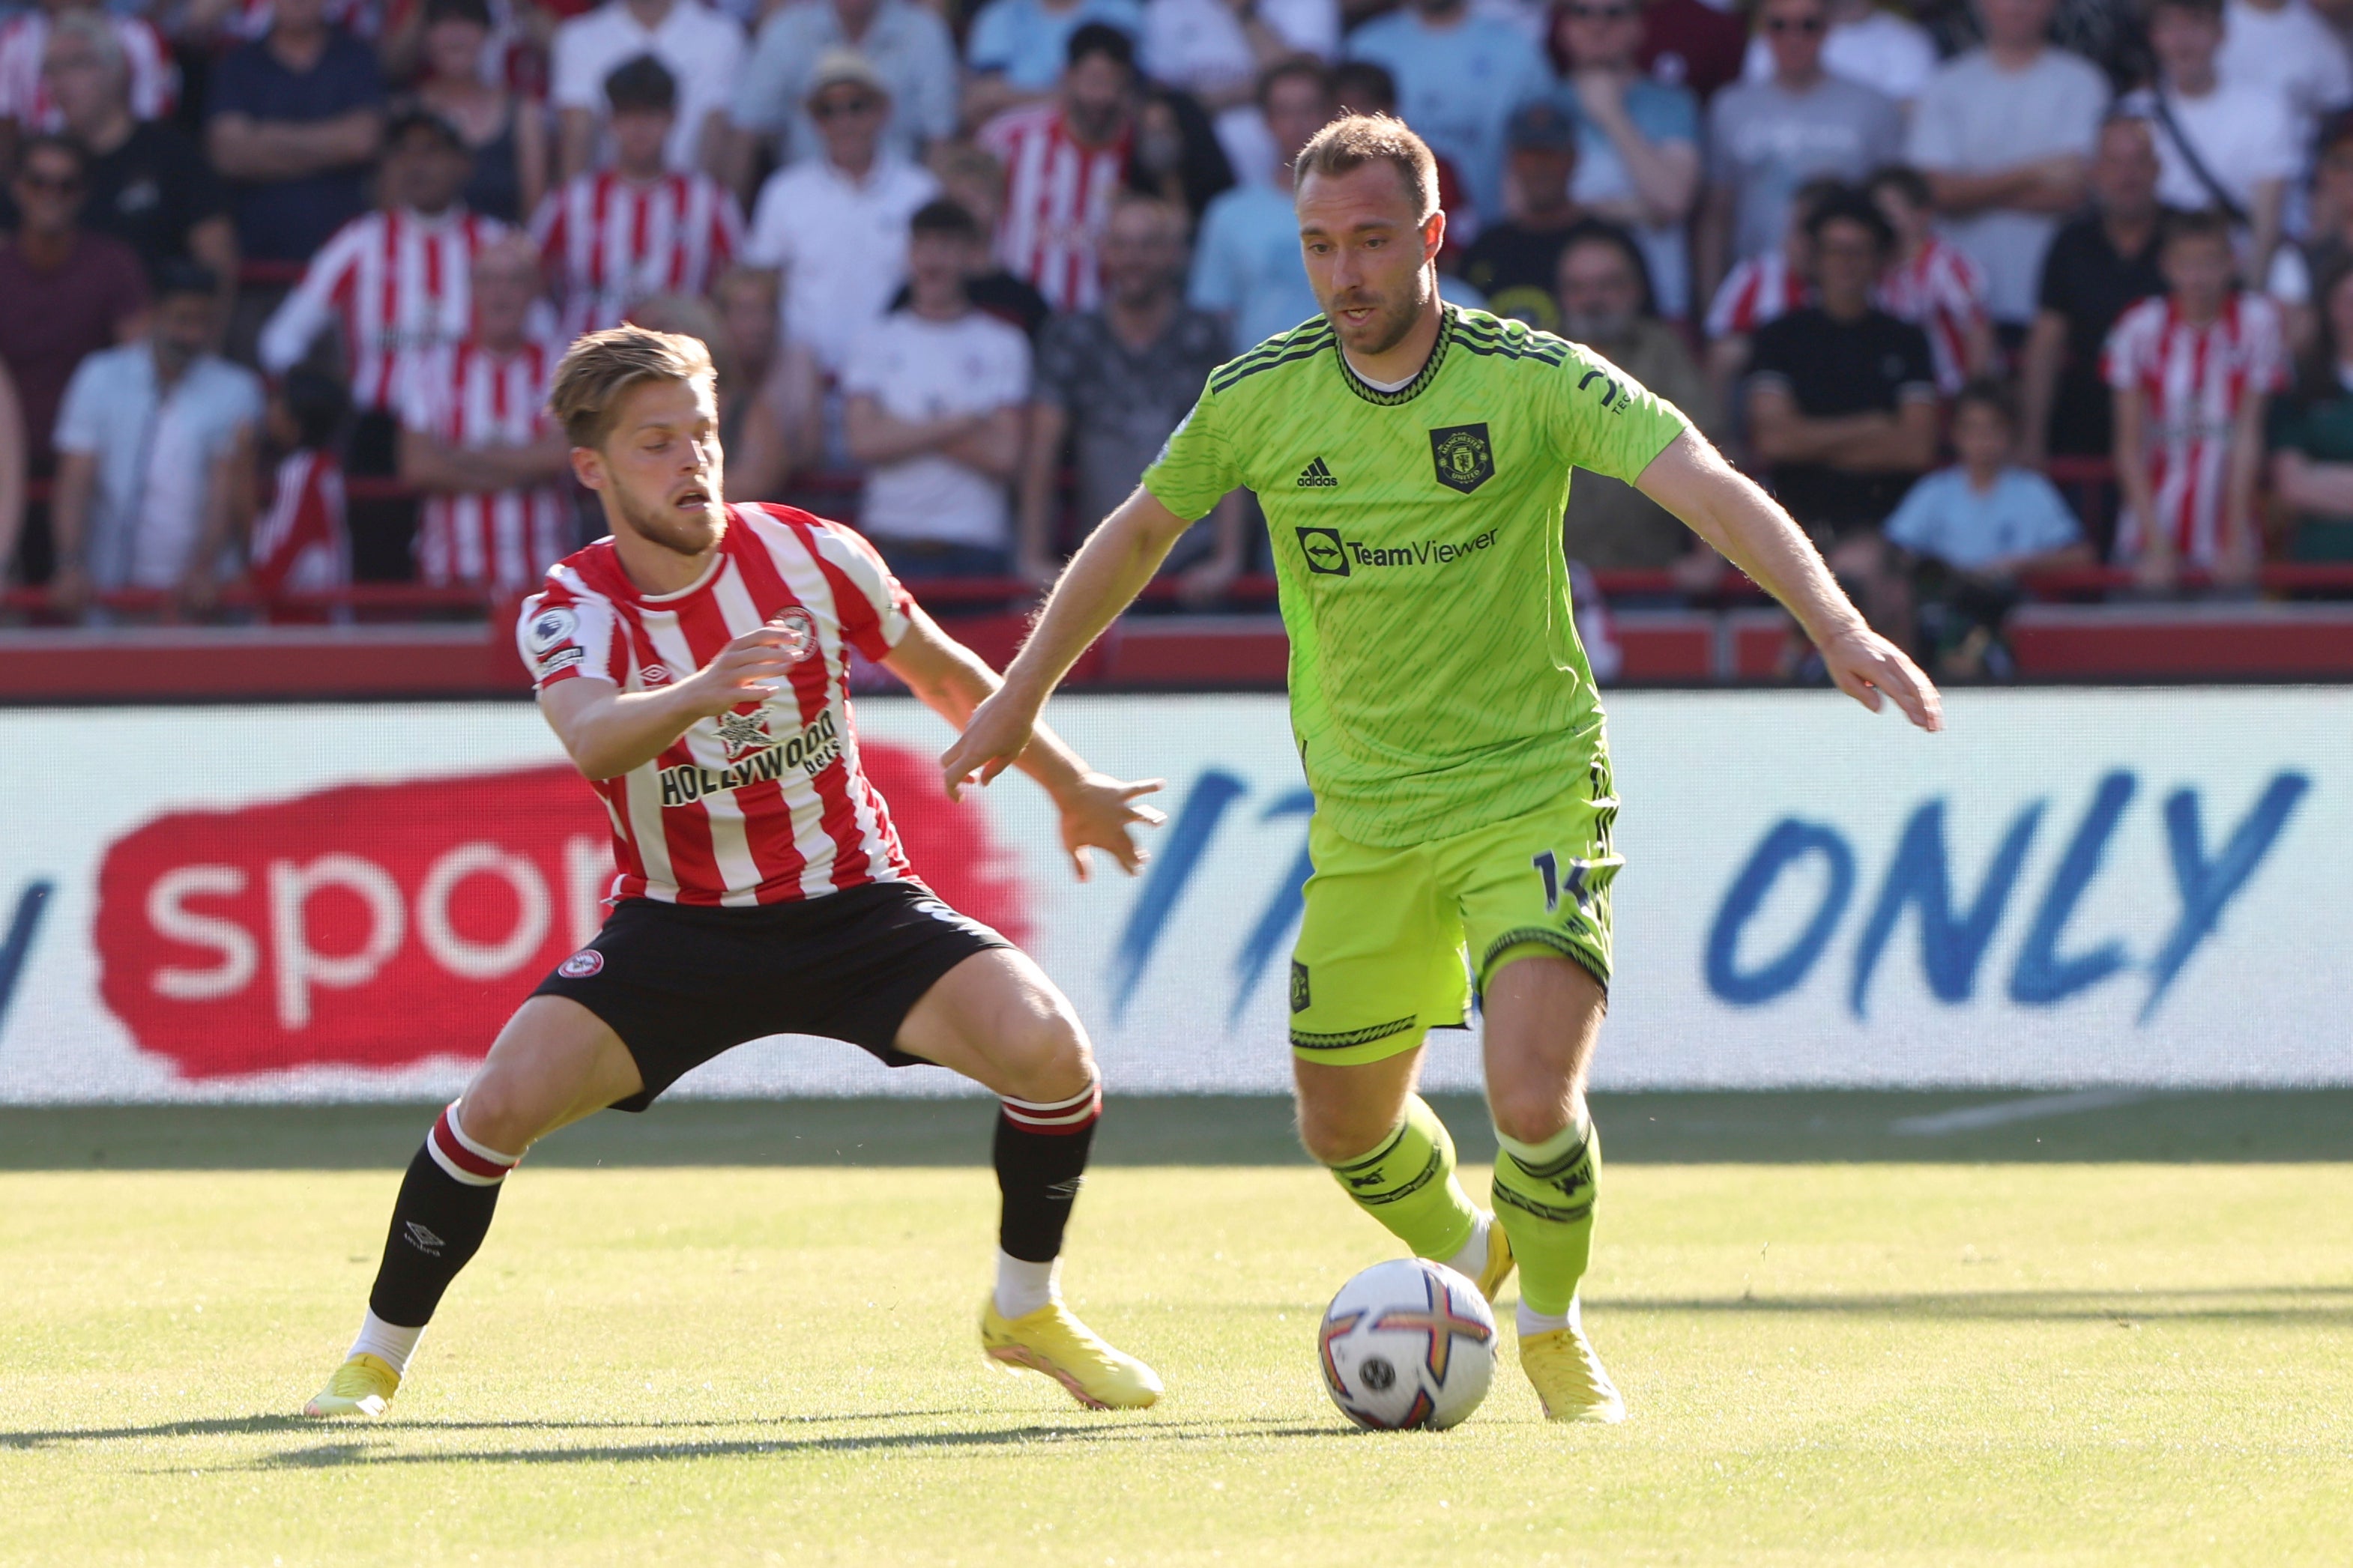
(611,239)
(1931,284)
(1064,161)
(1764,288)
(301,541)
(394,279)
(2193,372)
(476,437)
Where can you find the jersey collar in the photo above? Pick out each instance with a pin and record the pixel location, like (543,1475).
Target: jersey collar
(1447,317)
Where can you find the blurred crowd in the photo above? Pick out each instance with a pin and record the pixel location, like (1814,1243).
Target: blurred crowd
(1979,290)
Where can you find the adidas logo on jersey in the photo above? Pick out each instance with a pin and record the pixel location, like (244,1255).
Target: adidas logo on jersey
(1317,475)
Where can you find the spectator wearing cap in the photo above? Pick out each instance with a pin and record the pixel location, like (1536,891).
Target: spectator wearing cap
(1064,161)
(477,438)
(2004,134)
(28,99)
(1516,263)
(2098,264)
(293,120)
(638,228)
(1246,265)
(1638,141)
(2327,247)
(1018,49)
(146,181)
(1766,139)
(506,132)
(1602,302)
(393,280)
(702,49)
(65,294)
(935,398)
(906,43)
(1842,403)
(2230,148)
(1111,383)
(1459,74)
(837,225)
(155,454)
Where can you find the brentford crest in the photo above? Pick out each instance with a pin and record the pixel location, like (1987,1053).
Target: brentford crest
(800,632)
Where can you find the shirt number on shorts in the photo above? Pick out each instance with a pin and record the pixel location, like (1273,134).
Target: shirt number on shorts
(1547,865)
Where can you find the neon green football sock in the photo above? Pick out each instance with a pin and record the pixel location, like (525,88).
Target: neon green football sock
(1408,1183)
(1544,1201)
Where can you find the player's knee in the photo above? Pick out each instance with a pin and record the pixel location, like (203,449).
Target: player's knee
(1529,1113)
(1333,1132)
(497,1115)
(1046,1056)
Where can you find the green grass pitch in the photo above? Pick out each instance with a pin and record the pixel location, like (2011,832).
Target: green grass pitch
(2117,1336)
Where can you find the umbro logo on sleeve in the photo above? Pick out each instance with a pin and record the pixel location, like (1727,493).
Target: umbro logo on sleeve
(1317,475)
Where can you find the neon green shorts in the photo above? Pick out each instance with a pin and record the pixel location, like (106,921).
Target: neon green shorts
(1393,939)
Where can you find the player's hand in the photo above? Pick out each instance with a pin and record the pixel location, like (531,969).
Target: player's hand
(993,740)
(1097,813)
(746,670)
(1867,666)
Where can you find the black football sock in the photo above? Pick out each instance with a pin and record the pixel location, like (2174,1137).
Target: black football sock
(1041,1159)
(438,1222)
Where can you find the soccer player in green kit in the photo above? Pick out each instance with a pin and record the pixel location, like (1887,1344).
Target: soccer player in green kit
(1413,461)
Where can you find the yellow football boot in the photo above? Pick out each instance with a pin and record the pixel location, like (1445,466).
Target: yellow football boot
(1568,1377)
(1499,1262)
(362,1386)
(1052,1341)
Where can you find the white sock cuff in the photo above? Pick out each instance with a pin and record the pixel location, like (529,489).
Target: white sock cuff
(388,1342)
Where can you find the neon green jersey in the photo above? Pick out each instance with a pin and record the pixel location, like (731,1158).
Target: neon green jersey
(1437,682)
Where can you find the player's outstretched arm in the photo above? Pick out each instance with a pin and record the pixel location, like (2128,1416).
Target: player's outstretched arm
(1097,810)
(1109,571)
(607,732)
(1725,508)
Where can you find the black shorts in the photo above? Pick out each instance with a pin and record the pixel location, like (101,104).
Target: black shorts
(680,983)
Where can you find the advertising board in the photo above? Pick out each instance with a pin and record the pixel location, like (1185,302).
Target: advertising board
(2145,887)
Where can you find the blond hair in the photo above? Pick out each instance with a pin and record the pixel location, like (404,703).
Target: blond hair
(596,370)
(1353,141)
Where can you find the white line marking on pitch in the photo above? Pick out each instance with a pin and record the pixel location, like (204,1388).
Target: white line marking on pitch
(1968,1119)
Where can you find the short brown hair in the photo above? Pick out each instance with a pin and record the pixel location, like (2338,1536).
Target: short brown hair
(1350,142)
(600,367)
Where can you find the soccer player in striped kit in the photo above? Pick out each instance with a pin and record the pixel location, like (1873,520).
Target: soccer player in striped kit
(695,665)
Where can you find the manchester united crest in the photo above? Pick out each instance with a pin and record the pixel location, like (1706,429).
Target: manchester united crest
(1462,456)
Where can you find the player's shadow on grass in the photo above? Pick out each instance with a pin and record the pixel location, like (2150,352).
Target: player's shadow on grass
(332,1455)
(2303,1304)
(245,1426)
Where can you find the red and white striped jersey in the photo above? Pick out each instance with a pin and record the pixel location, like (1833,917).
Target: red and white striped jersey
(608,242)
(391,283)
(768,802)
(2195,380)
(1058,196)
(1758,289)
(465,396)
(300,545)
(25,97)
(1942,292)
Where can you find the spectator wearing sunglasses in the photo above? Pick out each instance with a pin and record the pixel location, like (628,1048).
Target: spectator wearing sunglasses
(837,225)
(65,294)
(2005,134)
(1637,141)
(1766,139)
(1876,48)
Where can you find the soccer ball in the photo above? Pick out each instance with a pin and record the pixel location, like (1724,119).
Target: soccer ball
(1407,1343)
